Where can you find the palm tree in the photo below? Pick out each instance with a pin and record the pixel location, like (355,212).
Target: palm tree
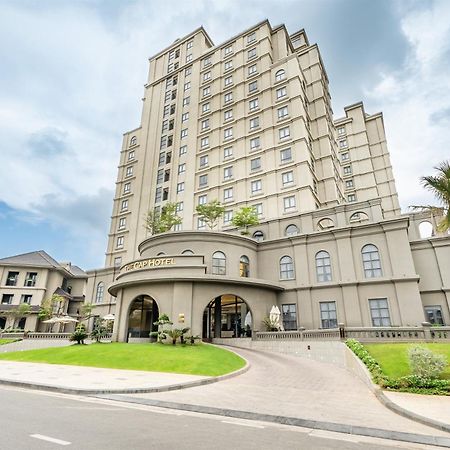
(439,185)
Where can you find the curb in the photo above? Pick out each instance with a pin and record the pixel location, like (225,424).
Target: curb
(292,421)
(389,404)
(170,387)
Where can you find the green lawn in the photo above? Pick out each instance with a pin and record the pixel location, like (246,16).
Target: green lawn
(200,359)
(6,341)
(393,358)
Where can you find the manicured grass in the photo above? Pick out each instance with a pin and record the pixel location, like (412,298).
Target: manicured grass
(6,341)
(200,359)
(393,358)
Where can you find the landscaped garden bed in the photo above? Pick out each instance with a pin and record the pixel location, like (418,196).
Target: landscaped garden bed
(390,366)
(199,359)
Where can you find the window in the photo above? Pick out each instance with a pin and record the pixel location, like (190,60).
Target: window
(286,268)
(122,223)
(203,161)
(228,133)
(228,173)
(287,178)
(179,207)
(227,115)
(189,45)
(133,141)
(371,261)
(183,150)
(207,76)
(254,143)
(228,194)
(292,230)
(7,299)
(119,242)
(188,71)
(284,133)
(351,198)
(228,50)
(228,152)
(202,199)
(254,123)
(187,252)
(99,293)
(124,205)
(379,312)
(227,216)
(347,170)
(184,133)
(328,316)
(289,203)
(158,194)
(282,112)
(343,143)
(433,315)
(228,65)
(281,92)
(129,171)
(251,53)
(131,155)
(280,75)
(30,279)
(285,155)
(341,131)
(163,142)
(165,125)
(253,86)
(244,266)
(207,61)
(289,313)
(181,168)
(219,262)
(228,81)
(26,298)
(255,164)
(184,117)
(258,236)
(205,107)
(187,85)
(205,124)
(127,188)
(204,142)
(186,101)
(203,180)
(180,187)
(201,224)
(206,91)
(258,208)
(253,104)
(323,266)
(12,278)
(345,156)
(252,69)
(117,261)
(251,37)
(228,97)
(256,186)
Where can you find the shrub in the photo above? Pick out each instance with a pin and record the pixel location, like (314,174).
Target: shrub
(79,335)
(99,332)
(426,364)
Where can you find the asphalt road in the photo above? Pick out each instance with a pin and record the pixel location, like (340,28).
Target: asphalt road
(33,420)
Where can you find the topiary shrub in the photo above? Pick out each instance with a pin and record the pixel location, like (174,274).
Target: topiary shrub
(79,335)
(426,364)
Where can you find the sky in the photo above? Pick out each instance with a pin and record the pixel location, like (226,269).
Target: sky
(72,76)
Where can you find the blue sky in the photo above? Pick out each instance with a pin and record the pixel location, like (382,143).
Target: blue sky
(73,73)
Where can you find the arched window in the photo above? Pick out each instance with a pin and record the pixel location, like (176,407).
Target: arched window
(325,223)
(323,266)
(187,252)
(359,217)
(425,229)
(258,236)
(99,293)
(244,266)
(133,141)
(280,75)
(286,268)
(371,261)
(160,254)
(292,230)
(219,261)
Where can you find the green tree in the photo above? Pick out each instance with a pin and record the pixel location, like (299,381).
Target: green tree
(52,306)
(99,332)
(439,185)
(244,218)
(86,311)
(17,312)
(160,222)
(160,334)
(210,213)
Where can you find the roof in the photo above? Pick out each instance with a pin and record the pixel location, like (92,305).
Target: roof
(40,258)
(6,308)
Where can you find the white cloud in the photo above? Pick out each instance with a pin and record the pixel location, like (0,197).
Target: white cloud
(413,97)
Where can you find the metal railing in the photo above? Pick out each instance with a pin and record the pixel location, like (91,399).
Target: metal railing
(39,335)
(301,335)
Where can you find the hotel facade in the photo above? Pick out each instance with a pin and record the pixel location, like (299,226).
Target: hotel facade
(250,123)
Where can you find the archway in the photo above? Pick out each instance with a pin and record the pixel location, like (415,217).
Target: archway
(2,323)
(227,316)
(142,314)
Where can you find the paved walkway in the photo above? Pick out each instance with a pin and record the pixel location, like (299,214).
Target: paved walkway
(296,387)
(32,344)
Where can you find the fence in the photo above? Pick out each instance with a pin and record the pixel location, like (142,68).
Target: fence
(38,335)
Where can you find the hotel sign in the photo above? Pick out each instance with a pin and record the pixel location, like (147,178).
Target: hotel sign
(149,263)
